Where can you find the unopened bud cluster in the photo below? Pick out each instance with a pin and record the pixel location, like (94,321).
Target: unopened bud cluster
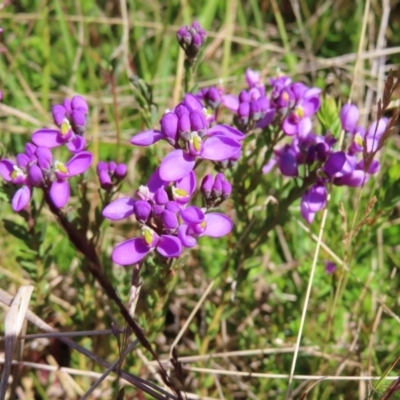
(191,39)
(110,173)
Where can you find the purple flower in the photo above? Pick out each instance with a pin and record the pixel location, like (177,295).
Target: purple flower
(212,96)
(166,219)
(339,164)
(312,201)
(288,164)
(191,39)
(59,190)
(110,173)
(72,114)
(179,163)
(252,78)
(330,267)
(349,115)
(197,224)
(134,250)
(53,138)
(21,198)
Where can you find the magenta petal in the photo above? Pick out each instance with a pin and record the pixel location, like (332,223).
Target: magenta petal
(59,113)
(217,225)
(169,246)
(187,183)
(227,131)
(304,128)
(130,252)
(21,198)
(305,210)
(219,148)
(289,127)
(147,138)
(356,179)
(192,102)
(59,193)
(176,165)
(192,215)
(311,106)
(269,165)
(47,138)
(316,198)
(230,102)
(78,102)
(119,209)
(155,182)
(77,144)
(6,169)
(187,240)
(79,163)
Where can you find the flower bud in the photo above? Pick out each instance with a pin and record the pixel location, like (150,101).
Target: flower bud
(35,175)
(198,122)
(244,112)
(121,171)
(206,185)
(226,190)
(111,166)
(169,127)
(216,191)
(244,96)
(169,220)
(102,166)
(105,179)
(173,206)
(184,127)
(161,197)
(44,157)
(255,111)
(22,160)
(252,77)
(288,164)
(213,97)
(142,210)
(349,115)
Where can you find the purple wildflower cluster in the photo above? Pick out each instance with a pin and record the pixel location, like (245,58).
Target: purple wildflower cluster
(168,222)
(191,39)
(290,107)
(36,166)
(162,207)
(294,104)
(110,173)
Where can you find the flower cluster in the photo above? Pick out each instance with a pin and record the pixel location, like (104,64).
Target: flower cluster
(110,173)
(287,108)
(36,166)
(252,107)
(168,223)
(191,39)
(187,128)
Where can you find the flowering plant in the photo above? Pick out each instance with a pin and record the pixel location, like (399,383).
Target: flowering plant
(221,175)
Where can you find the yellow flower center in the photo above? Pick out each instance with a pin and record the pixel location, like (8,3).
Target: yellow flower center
(358,139)
(196,141)
(60,167)
(179,193)
(148,235)
(299,111)
(17,172)
(65,127)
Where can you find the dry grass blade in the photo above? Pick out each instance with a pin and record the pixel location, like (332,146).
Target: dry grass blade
(110,369)
(13,325)
(145,386)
